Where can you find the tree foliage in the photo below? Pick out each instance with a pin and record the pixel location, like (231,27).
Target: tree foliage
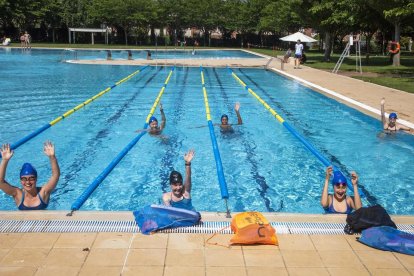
(137,18)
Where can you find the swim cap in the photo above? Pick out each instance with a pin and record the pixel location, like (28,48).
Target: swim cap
(152,119)
(338,178)
(393,116)
(176,177)
(28,169)
(224,116)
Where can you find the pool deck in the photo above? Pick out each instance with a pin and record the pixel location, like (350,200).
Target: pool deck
(123,253)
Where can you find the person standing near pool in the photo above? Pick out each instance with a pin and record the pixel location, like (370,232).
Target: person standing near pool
(225,126)
(154,129)
(180,195)
(30,197)
(298,53)
(339,202)
(392,125)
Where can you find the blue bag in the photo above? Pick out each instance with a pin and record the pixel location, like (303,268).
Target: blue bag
(157,217)
(389,239)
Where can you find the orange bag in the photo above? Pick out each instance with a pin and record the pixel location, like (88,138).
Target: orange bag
(252,228)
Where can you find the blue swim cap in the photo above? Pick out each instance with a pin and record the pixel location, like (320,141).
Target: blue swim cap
(152,119)
(393,116)
(338,177)
(28,169)
(224,116)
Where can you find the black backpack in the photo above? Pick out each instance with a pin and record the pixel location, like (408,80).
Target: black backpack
(367,217)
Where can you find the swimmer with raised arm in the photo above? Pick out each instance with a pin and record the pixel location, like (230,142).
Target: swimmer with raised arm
(180,195)
(339,202)
(154,129)
(225,126)
(392,126)
(30,197)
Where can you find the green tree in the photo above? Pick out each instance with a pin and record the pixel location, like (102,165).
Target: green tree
(397,12)
(127,14)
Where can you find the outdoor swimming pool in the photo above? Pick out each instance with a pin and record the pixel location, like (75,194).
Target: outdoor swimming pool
(265,167)
(180,53)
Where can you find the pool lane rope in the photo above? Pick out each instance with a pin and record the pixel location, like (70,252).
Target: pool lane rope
(77,204)
(308,145)
(71,111)
(219,165)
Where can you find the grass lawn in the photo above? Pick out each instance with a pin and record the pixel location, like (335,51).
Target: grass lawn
(401,77)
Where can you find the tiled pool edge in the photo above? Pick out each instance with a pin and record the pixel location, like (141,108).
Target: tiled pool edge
(104,221)
(206,227)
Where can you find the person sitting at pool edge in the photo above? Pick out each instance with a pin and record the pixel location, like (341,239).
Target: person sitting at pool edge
(225,126)
(30,197)
(154,129)
(339,202)
(392,125)
(180,195)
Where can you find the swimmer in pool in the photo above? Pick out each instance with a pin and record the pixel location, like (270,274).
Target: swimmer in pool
(339,202)
(154,129)
(30,197)
(225,127)
(392,126)
(180,195)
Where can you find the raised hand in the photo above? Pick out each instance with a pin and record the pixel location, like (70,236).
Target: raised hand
(354,178)
(6,152)
(328,172)
(189,156)
(49,149)
(237,106)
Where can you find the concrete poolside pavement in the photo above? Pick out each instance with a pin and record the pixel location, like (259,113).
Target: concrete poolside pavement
(112,253)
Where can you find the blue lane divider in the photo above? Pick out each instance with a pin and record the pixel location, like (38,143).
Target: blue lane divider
(71,111)
(91,188)
(308,145)
(219,165)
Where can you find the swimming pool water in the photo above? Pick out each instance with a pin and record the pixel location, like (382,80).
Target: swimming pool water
(265,167)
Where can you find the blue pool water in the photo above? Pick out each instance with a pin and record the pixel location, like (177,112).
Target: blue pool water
(160,54)
(265,167)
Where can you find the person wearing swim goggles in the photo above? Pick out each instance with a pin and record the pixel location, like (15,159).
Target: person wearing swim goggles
(392,125)
(339,202)
(225,126)
(29,197)
(154,129)
(180,194)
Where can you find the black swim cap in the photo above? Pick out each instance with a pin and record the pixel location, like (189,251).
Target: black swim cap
(176,177)
(224,116)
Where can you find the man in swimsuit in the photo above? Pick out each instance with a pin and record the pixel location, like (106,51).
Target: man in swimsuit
(392,125)
(225,126)
(30,197)
(339,202)
(180,195)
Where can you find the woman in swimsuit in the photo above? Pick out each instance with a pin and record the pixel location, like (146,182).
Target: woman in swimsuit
(180,195)
(339,202)
(392,126)
(30,197)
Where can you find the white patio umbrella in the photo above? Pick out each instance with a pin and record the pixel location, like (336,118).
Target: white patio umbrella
(298,35)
